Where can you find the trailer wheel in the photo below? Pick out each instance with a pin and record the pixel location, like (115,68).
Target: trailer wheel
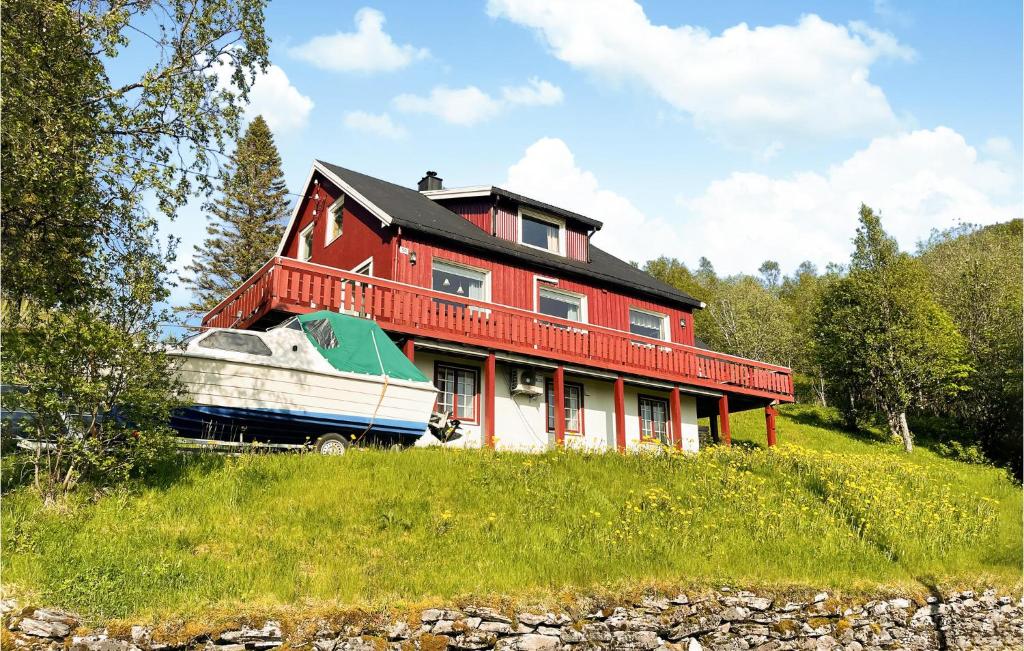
(331,445)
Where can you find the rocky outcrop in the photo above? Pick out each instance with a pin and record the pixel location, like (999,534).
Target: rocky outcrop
(724,619)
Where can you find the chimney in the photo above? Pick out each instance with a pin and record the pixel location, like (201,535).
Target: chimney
(430,182)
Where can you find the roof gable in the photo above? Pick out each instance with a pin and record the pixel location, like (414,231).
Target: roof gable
(408,208)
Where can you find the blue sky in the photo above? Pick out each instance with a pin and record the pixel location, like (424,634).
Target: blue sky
(740,131)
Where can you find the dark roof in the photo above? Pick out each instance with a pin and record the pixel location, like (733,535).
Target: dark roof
(547,207)
(410,209)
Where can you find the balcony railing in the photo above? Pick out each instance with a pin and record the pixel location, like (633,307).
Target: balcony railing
(292,286)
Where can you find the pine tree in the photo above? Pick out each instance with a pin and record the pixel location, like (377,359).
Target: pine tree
(247,220)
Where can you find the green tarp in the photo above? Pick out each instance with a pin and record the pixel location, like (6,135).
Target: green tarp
(357,345)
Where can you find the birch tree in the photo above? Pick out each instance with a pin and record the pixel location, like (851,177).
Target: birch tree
(881,337)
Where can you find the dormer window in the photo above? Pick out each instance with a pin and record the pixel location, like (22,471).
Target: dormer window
(541,232)
(334,220)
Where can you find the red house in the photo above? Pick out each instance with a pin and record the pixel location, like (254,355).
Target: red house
(507,303)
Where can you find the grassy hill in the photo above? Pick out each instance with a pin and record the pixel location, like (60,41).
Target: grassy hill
(824,510)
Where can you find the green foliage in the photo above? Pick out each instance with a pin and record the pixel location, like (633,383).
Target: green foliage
(976,275)
(78,153)
(49,153)
(743,316)
(83,269)
(880,337)
(273,529)
(246,219)
(94,379)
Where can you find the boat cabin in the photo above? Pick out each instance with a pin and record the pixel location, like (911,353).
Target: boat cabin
(534,336)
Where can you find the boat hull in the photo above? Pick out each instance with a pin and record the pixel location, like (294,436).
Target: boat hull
(247,402)
(286,426)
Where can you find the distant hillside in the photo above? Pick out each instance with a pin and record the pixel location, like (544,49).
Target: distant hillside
(824,510)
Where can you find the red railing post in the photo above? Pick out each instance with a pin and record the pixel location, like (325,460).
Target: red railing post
(559,406)
(769,422)
(723,415)
(620,414)
(489,380)
(676,408)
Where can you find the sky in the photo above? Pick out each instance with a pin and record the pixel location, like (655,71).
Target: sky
(737,131)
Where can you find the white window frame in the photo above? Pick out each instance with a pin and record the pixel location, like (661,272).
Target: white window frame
(544,217)
(666,326)
(306,255)
(653,436)
(542,286)
(366,264)
(335,207)
(458,265)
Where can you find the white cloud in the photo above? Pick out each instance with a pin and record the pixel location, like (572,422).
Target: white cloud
(271,95)
(536,92)
(470,105)
(381,125)
(807,79)
(548,172)
(919,180)
(278,101)
(368,49)
(998,147)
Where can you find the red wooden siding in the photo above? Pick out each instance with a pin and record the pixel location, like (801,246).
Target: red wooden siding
(506,222)
(475,211)
(293,286)
(577,245)
(362,236)
(513,285)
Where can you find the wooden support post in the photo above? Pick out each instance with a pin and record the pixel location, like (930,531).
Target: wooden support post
(409,348)
(713,426)
(620,414)
(676,409)
(489,382)
(769,421)
(723,416)
(559,407)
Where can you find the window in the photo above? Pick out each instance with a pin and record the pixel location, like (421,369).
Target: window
(541,233)
(460,281)
(334,220)
(235,342)
(573,407)
(654,419)
(365,268)
(558,303)
(648,324)
(306,243)
(322,333)
(458,391)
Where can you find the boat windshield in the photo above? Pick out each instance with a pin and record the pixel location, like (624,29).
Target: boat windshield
(291,323)
(236,342)
(322,333)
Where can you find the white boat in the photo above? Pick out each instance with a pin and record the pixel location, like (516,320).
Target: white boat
(323,379)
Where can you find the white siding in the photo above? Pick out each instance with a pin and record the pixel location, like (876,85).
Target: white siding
(520,421)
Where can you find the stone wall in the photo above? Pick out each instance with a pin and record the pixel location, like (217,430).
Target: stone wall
(724,619)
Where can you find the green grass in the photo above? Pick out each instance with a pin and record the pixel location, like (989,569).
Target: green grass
(825,510)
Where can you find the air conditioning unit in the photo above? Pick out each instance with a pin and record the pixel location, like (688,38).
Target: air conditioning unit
(526,383)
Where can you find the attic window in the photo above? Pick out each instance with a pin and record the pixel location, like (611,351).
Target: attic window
(335,215)
(541,233)
(306,243)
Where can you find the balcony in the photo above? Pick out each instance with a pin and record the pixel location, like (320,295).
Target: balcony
(290,286)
